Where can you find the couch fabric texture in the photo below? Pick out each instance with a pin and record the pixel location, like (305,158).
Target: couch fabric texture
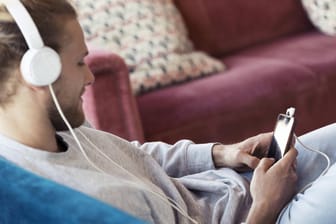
(275,59)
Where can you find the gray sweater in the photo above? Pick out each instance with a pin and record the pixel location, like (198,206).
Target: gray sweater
(139,178)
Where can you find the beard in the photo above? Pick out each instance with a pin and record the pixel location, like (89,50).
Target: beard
(72,113)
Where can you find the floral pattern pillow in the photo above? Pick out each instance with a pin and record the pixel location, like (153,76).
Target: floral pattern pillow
(322,13)
(152,38)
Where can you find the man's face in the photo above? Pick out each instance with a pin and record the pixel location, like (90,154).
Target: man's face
(75,75)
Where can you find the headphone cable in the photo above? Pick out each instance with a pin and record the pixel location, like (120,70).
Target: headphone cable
(311,183)
(144,187)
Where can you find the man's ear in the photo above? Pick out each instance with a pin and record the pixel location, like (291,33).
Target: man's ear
(34,88)
(28,84)
(38,88)
(36,92)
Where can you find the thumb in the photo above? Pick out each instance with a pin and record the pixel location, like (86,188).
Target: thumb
(265,163)
(250,161)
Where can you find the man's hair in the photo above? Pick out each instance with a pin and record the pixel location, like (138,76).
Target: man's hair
(49,17)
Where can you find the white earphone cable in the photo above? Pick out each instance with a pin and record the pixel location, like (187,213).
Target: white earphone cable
(171,202)
(144,187)
(309,184)
(319,152)
(69,127)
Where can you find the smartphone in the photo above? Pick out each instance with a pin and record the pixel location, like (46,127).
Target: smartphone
(283,134)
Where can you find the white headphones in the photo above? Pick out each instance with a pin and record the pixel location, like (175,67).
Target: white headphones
(40,65)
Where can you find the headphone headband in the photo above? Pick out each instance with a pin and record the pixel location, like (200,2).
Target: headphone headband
(25,23)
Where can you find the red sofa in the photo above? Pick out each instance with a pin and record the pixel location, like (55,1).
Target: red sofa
(275,59)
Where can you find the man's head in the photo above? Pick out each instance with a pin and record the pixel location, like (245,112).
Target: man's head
(57,24)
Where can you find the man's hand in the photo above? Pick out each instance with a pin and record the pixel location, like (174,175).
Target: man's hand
(242,156)
(272,186)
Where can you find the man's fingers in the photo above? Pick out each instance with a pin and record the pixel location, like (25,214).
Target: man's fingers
(267,138)
(249,160)
(264,141)
(289,158)
(293,141)
(265,164)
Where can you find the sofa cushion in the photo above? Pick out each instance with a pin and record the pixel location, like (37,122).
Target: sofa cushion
(258,84)
(312,50)
(322,13)
(222,26)
(150,36)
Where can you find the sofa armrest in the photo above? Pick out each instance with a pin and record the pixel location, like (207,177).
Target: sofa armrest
(109,103)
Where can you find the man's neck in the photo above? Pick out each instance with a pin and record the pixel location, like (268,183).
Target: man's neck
(29,128)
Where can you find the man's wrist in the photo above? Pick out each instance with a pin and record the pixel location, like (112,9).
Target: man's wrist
(216,154)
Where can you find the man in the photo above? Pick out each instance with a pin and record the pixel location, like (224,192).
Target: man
(156,182)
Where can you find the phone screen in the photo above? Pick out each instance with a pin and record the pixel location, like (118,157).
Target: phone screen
(282,136)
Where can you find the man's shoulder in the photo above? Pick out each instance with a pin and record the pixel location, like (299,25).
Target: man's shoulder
(92,134)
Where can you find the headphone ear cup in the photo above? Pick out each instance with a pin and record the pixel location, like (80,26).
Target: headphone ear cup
(41,67)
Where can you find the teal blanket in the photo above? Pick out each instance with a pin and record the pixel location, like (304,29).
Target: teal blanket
(28,198)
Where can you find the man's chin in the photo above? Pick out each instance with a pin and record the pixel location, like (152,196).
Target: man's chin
(74,121)
(78,121)
(74,115)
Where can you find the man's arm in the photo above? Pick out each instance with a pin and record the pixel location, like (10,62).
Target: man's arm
(186,157)
(182,158)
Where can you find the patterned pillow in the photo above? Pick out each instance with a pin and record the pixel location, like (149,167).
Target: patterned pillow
(322,13)
(150,35)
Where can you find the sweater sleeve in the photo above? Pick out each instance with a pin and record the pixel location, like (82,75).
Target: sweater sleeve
(182,158)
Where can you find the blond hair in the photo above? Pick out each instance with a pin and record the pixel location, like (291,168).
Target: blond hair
(49,17)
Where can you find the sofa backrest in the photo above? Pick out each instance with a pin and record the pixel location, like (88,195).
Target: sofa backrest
(222,26)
